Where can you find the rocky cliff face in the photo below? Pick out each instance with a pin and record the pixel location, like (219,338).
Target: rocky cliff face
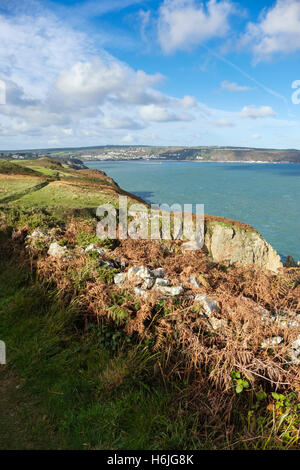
(239,244)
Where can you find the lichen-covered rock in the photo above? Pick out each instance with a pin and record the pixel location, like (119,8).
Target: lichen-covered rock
(209,304)
(233,245)
(57,251)
(289,262)
(162,282)
(158,272)
(39,233)
(139,271)
(120,278)
(148,283)
(271,342)
(170,291)
(217,323)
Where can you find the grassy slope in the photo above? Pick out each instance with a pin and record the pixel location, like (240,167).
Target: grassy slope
(47,187)
(79,390)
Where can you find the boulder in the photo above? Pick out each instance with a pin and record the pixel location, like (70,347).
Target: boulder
(120,278)
(57,251)
(209,304)
(170,291)
(139,271)
(148,283)
(289,262)
(230,244)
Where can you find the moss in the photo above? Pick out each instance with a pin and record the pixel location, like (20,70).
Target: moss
(85,239)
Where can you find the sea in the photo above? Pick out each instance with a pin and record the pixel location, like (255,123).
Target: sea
(264,195)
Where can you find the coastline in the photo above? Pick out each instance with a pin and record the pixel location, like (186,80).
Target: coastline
(141,160)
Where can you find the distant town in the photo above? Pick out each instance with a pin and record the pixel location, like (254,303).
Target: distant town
(202,153)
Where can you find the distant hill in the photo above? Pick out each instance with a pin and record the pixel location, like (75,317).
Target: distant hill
(76,157)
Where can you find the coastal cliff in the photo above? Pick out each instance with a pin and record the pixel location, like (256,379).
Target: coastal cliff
(231,242)
(47,187)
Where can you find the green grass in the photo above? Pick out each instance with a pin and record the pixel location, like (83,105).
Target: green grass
(12,186)
(55,194)
(91,397)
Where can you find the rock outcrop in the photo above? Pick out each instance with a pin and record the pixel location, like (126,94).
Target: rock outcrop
(240,245)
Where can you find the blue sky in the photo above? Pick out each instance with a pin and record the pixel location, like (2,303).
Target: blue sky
(156,72)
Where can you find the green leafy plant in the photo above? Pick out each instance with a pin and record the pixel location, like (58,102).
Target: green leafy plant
(239,383)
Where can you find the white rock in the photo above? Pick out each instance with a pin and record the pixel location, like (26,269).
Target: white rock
(209,304)
(170,291)
(162,282)
(139,291)
(120,278)
(193,281)
(159,272)
(57,251)
(217,323)
(92,247)
(139,271)
(148,283)
(275,341)
(39,233)
(295,351)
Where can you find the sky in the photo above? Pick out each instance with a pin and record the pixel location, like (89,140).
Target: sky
(149,72)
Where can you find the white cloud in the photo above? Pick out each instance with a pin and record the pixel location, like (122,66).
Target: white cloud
(234,87)
(59,84)
(156,113)
(278,30)
(120,123)
(188,102)
(256,136)
(254,112)
(223,122)
(186,23)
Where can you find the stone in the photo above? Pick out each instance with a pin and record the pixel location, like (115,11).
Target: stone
(209,304)
(139,271)
(39,233)
(271,342)
(120,278)
(230,244)
(93,247)
(198,280)
(162,282)
(140,292)
(159,272)
(171,291)
(148,283)
(193,281)
(122,263)
(217,323)
(295,351)
(289,262)
(2,353)
(57,251)
(107,264)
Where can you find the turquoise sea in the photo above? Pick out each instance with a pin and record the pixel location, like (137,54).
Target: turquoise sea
(266,196)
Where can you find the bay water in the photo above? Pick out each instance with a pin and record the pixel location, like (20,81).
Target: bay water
(266,196)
